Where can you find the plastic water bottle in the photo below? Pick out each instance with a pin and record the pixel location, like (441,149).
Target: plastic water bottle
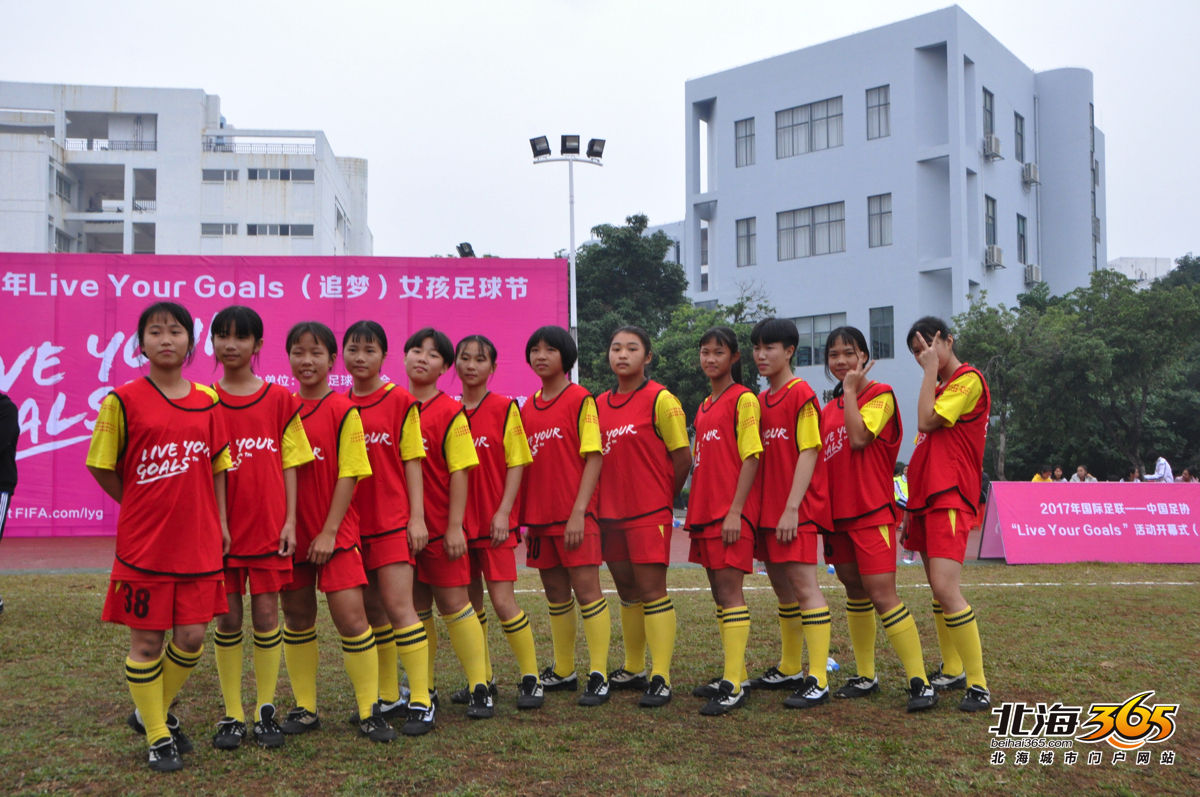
(832,665)
(829,569)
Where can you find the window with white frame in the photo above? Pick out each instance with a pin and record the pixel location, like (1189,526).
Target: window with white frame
(217,230)
(743,133)
(219,175)
(808,128)
(989,113)
(879,112)
(747,241)
(294,175)
(879,220)
(989,220)
(1022,241)
(1019,137)
(293,230)
(882,333)
(814,330)
(817,230)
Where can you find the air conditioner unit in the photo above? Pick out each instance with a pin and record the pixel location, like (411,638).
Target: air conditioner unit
(1033,274)
(1029,175)
(1096,228)
(993,257)
(991,147)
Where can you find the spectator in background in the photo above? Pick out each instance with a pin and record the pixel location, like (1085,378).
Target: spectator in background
(1058,474)
(9,432)
(1043,475)
(1189,475)
(1131,475)
(1162,472)
(1082,475)
(900,487)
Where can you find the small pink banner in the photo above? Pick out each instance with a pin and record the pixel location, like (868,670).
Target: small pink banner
(68,336)
(1039,523)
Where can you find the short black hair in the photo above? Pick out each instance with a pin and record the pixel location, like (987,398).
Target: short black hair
(485,345)
(441,342)
(775,330)
(237,321)
(170,310)
(556,338)
(852,335)
(366,332)
(928,328)
(321,333)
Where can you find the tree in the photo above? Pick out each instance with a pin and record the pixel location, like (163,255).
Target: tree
(1187,272)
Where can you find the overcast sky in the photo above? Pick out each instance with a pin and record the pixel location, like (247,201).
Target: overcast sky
(442,97)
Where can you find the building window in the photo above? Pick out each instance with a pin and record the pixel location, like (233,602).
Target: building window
(1019,137)
(704,256)
(814,329)
(881,333)
(747,241)
(743,133)
(62,186)
(989,113)
(989,221)
(1022,245)
(292,230)
(219,175)
(808,128)
(879,220)
(62,241)
(215,230)
(879,112)
(294,175)
(818,230)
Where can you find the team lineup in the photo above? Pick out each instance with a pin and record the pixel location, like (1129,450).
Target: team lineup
(395,501)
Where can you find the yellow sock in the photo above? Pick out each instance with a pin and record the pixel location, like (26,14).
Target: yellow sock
(177,666)
(385,651)
(817,624)
(952,663)
(659,618)
(146,689)
(227,650)
(791,635)
(412,646)
(633,635)
(901,628)
(466,637)
(860,620)
(300,655)
(267,650)
(362,665)
(562,634)
(597,630)
(520,639)
(426,617)
(487,651)
(965,632)
(735,625)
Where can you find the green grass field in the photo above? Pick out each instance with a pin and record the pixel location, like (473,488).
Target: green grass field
(1071,633)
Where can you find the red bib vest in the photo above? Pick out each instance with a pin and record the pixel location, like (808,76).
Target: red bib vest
(551,483)
(323,419)
(638,480)
(485,485)
(861,491)
(382,500)
(436,415)
(946,470)
(780,412)
(718,463)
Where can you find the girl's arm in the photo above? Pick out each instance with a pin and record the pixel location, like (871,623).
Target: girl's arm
(789,521)
(681,459)
(856,428)
(322,546)
(927,418)
(287,534)
(500,520)
(219,490)
(109,481)
(456,540)
(573,533)
(731,529)
(418,533)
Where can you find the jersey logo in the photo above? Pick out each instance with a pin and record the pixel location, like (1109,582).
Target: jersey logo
(835,441)
(482,442)
(171,459)
(246,446)
(711,435)
(378,438)
(539,439)
(774,433)
(318,453)
(612,435)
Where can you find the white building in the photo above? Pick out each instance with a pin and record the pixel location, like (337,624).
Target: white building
(889,175)
(158,171)
(1142,270)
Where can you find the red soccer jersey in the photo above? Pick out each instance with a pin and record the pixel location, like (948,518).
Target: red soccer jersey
(638,481)
(553,428)
(168,525)
(947,464)
(255,500)
(790,415)
(723,441)
(492,426)
(861,489)
(325,420)
(448,448)
(382,500)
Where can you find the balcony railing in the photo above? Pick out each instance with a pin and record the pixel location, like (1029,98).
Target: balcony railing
(217,145)
(145,205)
(108,145)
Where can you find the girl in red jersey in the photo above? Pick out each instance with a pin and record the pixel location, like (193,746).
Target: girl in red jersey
(721,507)
(491,516)
(267,443)
(558,504)
(391,516)
(327,555)
(943,490)
(160,450)
(648,457)
(443,568)
(862,437)
(793,503)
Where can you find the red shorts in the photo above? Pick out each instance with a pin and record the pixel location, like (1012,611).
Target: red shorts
(712,552)
(437,569)
(494,564)
(940,533)
(386,549)
(643,544)
(802,549)
(872,548)
(162,605)
(548,548)
(261,580)
(344,570)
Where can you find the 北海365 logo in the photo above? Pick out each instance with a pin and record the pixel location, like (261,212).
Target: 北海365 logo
(1129,725)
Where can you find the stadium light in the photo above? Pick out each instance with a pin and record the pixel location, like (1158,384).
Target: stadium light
(540,146)
(465,250)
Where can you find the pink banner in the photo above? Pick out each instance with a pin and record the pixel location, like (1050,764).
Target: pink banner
(1028,523)
(68,335)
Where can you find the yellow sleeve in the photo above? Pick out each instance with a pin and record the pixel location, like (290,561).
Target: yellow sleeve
(223,461)
(352,449)
(460,446)
(411,444)
(516,444)
(589,428)
(108,437)
(748,416)
(296,448)
(959,397)
(670,422)
(808,427)
(877,412)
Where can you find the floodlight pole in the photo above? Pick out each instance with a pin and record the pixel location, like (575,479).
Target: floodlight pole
(573,309)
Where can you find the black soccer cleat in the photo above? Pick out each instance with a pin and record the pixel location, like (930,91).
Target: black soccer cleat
(267,732)
(809,695)
(553,682)
(596,692)
(164,756)
(921,696)
(976,699)
(657,694)
(724,701)
(229,735)
(622,678)
(421,720)
(858,686)
(530,693)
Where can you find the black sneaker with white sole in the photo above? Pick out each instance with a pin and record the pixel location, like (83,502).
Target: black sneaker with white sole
(858,686)
(267,732)
(229,735)
(300,720)
(462,697)
(164,756)
(596,692)
(921,696)
(709,690)
(421,719)
(553,682)
(944,683)
(809,695)
(724,701)
(182,743)
(530,693)
(976,699)
(621,678)
(774,678)
(394,709)
(481,707)
(375,727)
(657,694)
